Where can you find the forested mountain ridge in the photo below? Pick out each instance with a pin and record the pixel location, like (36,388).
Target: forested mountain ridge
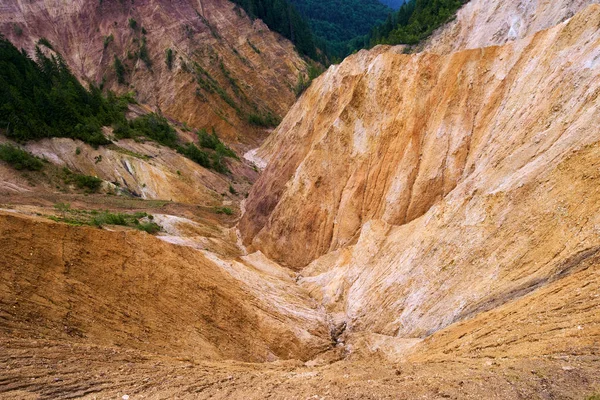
(413,22)
(335,23)
(340,20)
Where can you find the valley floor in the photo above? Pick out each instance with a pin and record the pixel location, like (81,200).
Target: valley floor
(42,369)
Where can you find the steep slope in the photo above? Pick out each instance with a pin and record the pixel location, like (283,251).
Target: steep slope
(458,187)
(225,68)
(479,23)
(131,289)
(396,153)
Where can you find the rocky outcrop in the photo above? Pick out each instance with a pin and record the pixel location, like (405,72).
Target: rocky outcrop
(225,66)
(436,194)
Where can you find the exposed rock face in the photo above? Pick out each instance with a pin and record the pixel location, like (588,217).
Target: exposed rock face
(480,23)
(441,192)
(146,170)
(225,66)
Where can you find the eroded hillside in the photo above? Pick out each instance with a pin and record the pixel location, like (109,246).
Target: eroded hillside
(412,202)
(225,68)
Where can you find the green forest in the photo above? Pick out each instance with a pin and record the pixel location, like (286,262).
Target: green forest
(395,4)
(329,30)
(413,22)
(336,22)
(42,98)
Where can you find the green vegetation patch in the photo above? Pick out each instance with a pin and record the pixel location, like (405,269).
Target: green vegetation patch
(158,129)
(132,23)
(151,126)
(264,119)
(414,21)
(42,98)
(86,182)
(169,58)
(19,159)
(224,210)
(99,218)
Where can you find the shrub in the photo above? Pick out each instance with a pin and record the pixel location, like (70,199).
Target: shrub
(120,71)
(90,183)
(151,126)
(45,42)
(19,159)
(266,120)
(224,210)
(192,152)
(212,141)
(218,163)
(107,40)
(143,54)
(169,59)
(133,24)
(256,49)
(149,227)
(17,30)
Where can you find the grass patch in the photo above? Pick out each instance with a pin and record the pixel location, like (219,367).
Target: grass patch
(224,210)
(20,159)
(99,218)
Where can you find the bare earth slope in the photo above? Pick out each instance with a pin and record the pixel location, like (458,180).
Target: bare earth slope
(134,290)
(377,146)
(441,209)
(463,184)
(480,23)
(225,66)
